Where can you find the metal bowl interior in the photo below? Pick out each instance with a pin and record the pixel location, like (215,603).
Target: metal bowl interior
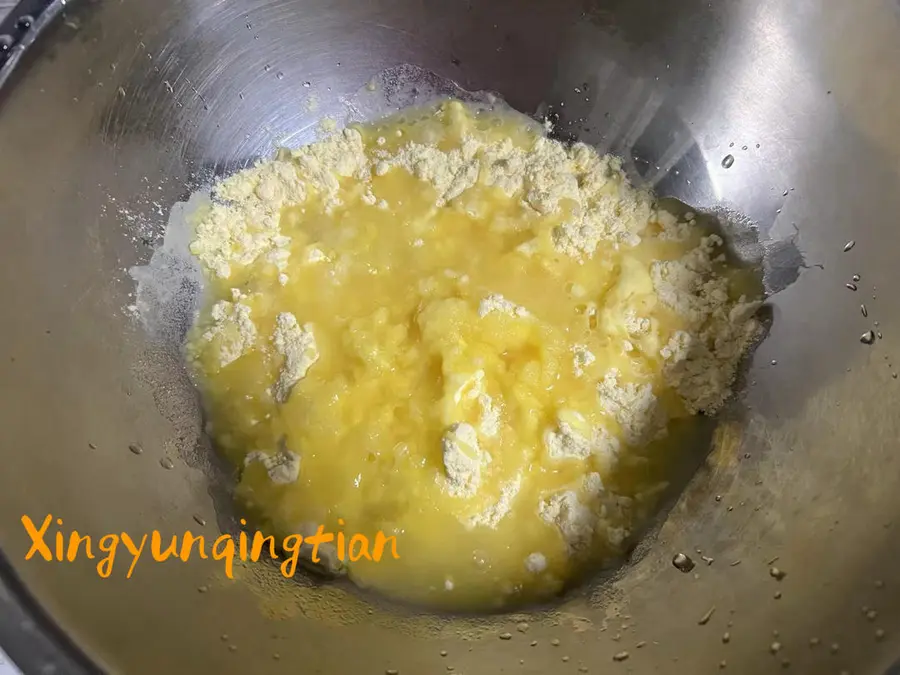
(111,112)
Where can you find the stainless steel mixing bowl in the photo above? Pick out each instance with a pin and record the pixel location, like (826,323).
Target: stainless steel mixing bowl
(111,111)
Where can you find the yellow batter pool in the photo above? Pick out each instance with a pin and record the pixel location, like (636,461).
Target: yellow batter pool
(447,328)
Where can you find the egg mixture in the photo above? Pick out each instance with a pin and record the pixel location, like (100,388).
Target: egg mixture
(449,328)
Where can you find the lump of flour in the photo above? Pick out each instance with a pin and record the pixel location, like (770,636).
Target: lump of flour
(568,442)
(497,511)
(450,173)
(574,519)
(503,166)
(231,333)
(283,466)
(462,458)
(321,165)
(635,407)
(582,358)
(609,208)
(582,512)
(329,561)
(701,360)
(536,563)
(497,303)
(635,325)
(571,512)
(298,347)
(243,223)
(549,178)
(489,424)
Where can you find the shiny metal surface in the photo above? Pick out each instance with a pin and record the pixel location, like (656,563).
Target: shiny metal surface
(118,109)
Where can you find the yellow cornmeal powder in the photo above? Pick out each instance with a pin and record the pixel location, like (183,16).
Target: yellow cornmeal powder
(447,327)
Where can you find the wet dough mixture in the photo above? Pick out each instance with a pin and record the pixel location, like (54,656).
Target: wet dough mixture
(447,327)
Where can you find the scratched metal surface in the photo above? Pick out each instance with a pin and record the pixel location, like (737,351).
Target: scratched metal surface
(120,108)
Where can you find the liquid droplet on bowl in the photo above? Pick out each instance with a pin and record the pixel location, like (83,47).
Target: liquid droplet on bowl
(728,161)
(706,617)
(683,563)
